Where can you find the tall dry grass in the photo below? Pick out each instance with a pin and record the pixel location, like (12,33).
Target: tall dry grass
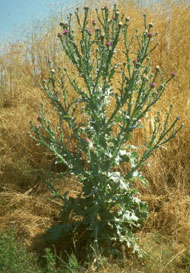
(25,201)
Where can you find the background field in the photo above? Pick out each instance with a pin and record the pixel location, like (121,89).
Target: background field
(25,201)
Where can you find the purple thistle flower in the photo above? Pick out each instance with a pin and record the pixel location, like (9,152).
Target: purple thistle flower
(135,61)
(90,32)
(153,84)
(37,126)
(66,31)
(108,44)
(173,74)
(114,18)
(150,34)
(39,118)
(59,34)
(93,22)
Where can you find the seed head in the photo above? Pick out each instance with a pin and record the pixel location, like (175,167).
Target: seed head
(120,24)
(157,68)
(127,19)
(150,25)
(52,70)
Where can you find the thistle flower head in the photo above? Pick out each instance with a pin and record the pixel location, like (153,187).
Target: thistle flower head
(59,34)
(66,31)
(90,32)
(135,61)
(37,126)
(93,22)
(114,18)
(157,68)
(153,84)
(39,118)
(108,44)
(173,74)
(150,34)
(120,24)
(127,19)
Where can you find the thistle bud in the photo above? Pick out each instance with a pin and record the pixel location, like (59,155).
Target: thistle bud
(145,77)
(90,144)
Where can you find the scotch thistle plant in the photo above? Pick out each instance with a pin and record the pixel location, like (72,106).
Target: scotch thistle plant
(109,209)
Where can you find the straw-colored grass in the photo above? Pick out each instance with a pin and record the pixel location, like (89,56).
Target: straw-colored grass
(25,201)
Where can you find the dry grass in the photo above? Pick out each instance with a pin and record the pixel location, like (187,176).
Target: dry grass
(25,202)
